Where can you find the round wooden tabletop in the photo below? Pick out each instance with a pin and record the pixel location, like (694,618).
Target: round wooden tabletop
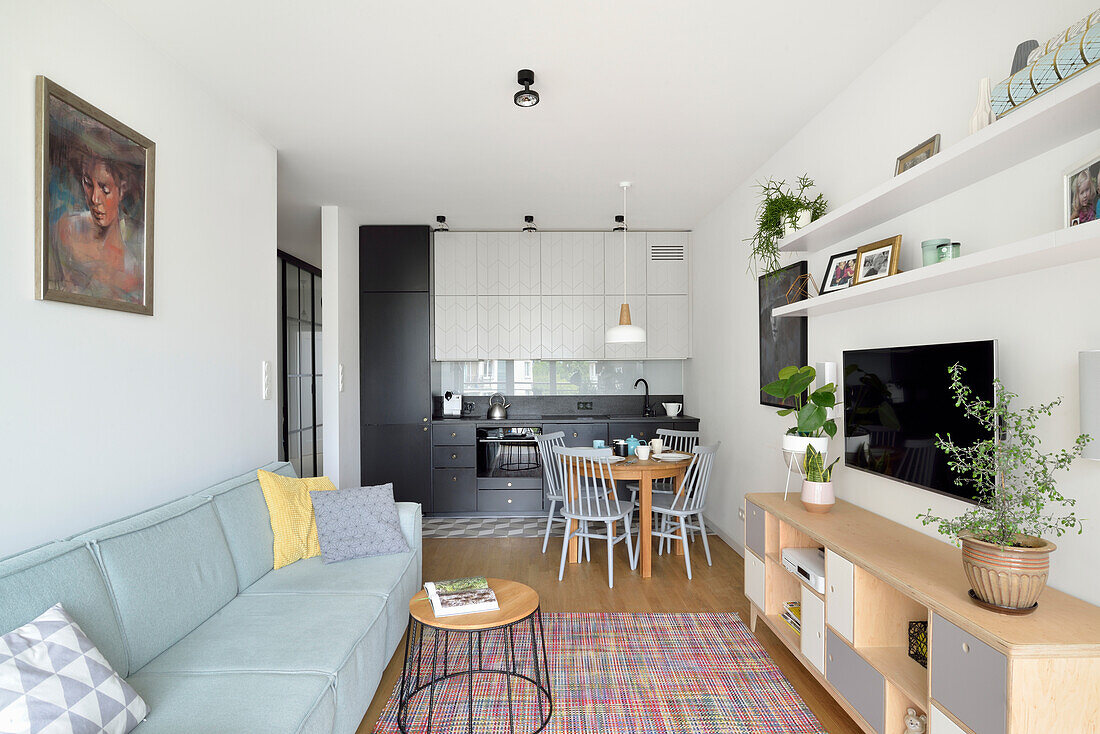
(517,601)
(652,468)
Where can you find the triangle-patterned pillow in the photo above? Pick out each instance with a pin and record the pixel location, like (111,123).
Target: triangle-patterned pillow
(52,678)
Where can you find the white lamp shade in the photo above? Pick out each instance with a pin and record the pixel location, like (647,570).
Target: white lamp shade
(1089,371)
(625,334)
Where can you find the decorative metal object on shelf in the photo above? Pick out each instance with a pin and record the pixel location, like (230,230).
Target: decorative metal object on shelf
(1070,52)
(918,642)
(803,287)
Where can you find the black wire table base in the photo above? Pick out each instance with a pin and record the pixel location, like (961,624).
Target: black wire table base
(437,659)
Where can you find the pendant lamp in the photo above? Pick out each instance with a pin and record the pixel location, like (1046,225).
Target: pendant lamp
(625,332)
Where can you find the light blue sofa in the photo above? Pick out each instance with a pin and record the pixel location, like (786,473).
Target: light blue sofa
(183,601)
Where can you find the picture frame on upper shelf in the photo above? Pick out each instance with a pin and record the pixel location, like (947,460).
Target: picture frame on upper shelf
(1081,187)
(918,154)
(839,272)
(877,260)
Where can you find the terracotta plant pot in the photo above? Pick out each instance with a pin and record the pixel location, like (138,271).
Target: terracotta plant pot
(818,497)
(1007,576)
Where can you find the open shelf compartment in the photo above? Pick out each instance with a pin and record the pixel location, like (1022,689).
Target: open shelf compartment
(882,635)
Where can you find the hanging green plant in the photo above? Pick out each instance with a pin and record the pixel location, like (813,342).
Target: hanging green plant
(779,210)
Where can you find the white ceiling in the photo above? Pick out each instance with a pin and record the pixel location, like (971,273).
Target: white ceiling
(403,110)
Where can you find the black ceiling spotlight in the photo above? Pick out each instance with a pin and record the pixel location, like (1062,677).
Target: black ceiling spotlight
(529,223)
(528,97)
(441,224)
(620,223)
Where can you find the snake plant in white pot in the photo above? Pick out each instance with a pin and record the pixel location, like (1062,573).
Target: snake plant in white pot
(817,484)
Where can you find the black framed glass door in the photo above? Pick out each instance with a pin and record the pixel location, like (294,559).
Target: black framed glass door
(300,365)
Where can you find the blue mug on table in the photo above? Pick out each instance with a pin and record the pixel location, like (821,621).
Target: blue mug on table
(599,443)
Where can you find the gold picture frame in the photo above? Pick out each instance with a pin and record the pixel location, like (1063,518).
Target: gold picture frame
(919,154)
(94,208)
(877,260)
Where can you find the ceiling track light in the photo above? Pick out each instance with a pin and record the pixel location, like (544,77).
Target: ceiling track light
(620,223)
(529,224)
(441,224)
(527,97)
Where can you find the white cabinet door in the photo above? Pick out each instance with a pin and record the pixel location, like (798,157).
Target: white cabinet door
(613,263)
(455,328)
(941,723)
(510,327)
(612,304)
(813,629)
(508,263)
(667,270)
(840,594)
(668,327)
(572,263)
(455,264)
(754,580)
(574,327)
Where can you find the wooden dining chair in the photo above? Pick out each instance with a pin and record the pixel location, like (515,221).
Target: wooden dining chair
(590,498)
(686,505)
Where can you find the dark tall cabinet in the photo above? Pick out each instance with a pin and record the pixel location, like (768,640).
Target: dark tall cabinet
(395,360)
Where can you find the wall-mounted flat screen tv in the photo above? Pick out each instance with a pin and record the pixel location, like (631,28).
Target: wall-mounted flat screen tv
(897,399)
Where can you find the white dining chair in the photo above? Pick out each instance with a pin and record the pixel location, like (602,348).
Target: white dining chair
(682,441)
(554,483)
(689,503)
(589,497)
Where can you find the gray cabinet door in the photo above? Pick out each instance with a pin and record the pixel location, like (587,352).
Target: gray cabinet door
(578,435)
(859,683)
(454,490)
(969,677)
(754,528)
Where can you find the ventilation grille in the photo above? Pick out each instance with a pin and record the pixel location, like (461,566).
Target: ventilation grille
(666,253)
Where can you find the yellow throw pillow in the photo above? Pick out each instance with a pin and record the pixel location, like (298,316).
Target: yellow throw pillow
(292,519)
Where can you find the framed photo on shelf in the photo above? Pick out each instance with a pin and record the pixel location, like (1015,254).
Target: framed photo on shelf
(1081,186)
(877,260)
(839,273)
(782,340)
(919,154)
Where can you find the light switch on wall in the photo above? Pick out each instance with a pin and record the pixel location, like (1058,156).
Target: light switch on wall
(340,378)
(266,375)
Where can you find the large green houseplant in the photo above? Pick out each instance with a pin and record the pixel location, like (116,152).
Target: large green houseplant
(1005,557)
(781,208)
(813,424)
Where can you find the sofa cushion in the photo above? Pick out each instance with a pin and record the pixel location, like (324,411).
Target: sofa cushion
(166,578)
(218,703)
(242,510)
(65,572)
(291,512)
(358,522)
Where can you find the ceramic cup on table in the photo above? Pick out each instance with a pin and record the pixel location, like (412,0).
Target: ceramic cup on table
(643,452)
(656,445)
(673,409)
(599,444)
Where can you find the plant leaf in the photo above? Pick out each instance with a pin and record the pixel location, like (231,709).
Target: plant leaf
(787,372)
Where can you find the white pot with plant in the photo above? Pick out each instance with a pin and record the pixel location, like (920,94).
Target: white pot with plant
(782,209)
(814,425)
(817,482)
(1005,557)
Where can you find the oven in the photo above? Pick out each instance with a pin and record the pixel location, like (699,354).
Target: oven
(508,453)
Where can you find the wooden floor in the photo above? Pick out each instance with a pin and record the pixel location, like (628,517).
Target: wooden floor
(717,588)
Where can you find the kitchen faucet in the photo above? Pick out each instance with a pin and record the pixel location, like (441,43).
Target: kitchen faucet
(647,411)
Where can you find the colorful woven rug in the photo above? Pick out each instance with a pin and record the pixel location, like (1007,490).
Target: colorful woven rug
(635,674)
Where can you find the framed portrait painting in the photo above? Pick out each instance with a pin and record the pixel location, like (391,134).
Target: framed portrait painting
(782,340)
(94,194)
(840,272)
(877,260)
(917,155)
(1082,189)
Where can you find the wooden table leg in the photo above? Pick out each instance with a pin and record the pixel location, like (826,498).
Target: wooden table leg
(679,485)
(574,544)
(645,529)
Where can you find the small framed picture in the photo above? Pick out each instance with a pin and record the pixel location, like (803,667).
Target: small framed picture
(877,260)
(919,154)
(1081,188)
(839,273)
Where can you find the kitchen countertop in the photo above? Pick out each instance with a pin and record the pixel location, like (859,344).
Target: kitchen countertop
(579,418)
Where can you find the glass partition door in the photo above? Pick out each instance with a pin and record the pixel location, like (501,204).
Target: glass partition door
(300,365)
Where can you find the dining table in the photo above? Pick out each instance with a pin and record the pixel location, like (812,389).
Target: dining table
(644,472)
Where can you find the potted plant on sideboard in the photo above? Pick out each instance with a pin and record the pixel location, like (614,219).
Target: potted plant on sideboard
(817,482)
(781,209)
(813,425)
(1004,555)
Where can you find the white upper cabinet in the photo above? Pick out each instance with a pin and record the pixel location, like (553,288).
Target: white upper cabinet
(510,327)
(668,327)
(455,328)
(572,263)
(573,327)
(613,263)
(667,271)
(612,304)
(455,264)
(508,263)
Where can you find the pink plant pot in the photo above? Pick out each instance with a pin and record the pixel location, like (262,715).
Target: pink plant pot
(818,497)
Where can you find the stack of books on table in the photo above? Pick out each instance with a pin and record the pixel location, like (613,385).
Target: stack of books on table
(461,596)
(792,615)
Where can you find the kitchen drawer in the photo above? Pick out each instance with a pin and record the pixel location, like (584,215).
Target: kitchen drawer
(578,434)
(453,434)
(855,679)
(639,429)
(840,594)
(513,484)
(505,500)
(754,528)
(445,457)
(454,490)
(969,678)
(754,580)
(812,640)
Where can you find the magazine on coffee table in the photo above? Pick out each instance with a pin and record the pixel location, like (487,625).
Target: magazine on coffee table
(461,596)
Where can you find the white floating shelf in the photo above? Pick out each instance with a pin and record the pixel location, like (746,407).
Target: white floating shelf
(1050,250)
(1063,114)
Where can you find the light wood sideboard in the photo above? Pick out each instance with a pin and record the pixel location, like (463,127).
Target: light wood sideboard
(987,673)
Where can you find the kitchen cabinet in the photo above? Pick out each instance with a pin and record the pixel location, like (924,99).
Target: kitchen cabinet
(572,263)
(636,257)
(578,434)
(573,327)
(508,263)
(668,327)
(394,258)
(510,327)
(400,454)
(454,490)
(646,430)
(667,271)
(395,369)
(455,328)
(455,264)
(612,304)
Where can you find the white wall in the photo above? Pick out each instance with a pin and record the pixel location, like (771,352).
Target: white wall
(107,413)
(926,83)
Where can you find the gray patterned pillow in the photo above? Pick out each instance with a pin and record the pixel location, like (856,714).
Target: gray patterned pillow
(357,523)
(52,678)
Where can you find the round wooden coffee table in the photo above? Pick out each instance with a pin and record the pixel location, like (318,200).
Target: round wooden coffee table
(440,652)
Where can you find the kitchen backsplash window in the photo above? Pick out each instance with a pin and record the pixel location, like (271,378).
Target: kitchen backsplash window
(560,377)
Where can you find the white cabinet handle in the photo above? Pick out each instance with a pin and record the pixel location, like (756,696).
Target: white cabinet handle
(509,484)
(966,647)
(509,500)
